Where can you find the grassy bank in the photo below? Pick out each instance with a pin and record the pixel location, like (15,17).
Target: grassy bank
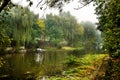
(80,68)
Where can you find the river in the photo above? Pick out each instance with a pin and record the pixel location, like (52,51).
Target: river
(28,66)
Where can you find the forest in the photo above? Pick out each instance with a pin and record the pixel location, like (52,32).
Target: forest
(58,47)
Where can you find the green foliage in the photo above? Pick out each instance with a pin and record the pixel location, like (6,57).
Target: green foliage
(56,30)
(88,59)
(72,61)
(22,22)
(63,28)
(71,71)
(53,30)
(4,38)
(85,70)
(109,17)
(72,30)
(112,42)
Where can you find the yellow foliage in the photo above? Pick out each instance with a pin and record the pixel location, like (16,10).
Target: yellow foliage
(41,24)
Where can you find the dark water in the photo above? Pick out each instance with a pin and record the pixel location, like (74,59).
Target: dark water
(31,65)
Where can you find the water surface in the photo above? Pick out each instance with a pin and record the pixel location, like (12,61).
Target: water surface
(28,65)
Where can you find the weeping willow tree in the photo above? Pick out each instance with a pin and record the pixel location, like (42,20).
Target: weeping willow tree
(22,21)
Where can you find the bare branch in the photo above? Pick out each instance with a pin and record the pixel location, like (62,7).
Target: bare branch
(39,3)
(83,5)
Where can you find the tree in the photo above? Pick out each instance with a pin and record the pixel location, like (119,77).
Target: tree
(63,27)
(108,15)
(22,22)
(53,29)
(90,36)
(109,22)
(4,26)
(4,41)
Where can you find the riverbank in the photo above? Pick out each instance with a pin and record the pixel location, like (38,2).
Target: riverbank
(80,68)
(69,64)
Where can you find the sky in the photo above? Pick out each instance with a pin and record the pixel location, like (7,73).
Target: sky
(84,14)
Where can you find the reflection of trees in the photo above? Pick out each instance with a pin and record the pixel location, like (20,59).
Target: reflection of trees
(47,63)
(16,65)
(52,63)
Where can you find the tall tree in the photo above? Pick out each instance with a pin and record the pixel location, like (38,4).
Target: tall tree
(109,23)
(22,22)
(53,29)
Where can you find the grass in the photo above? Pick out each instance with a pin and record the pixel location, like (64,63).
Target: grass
(88,64)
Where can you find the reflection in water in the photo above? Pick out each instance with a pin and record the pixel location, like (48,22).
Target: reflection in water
(39,57)
(19,66)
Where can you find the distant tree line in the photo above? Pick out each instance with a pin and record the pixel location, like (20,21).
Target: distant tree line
(22,28)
